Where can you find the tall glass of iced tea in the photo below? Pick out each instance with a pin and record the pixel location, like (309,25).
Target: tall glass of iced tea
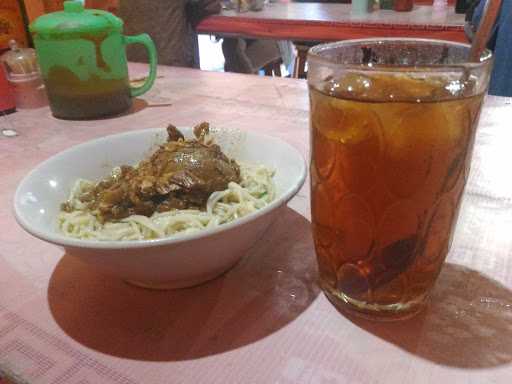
(392,128)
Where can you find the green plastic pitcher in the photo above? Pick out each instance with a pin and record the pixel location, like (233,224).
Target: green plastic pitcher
(82,57)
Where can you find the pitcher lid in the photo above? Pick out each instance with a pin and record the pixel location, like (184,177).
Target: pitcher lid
(76,20)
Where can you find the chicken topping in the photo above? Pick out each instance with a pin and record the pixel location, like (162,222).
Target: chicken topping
(181,174)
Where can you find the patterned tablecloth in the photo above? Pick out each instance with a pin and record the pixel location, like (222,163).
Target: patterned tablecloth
(265,321)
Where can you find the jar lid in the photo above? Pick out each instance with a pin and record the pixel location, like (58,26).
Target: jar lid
(19,62)
(75,20)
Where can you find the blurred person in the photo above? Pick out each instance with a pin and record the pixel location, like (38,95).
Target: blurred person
(251,55)
(500,43)
(170,23)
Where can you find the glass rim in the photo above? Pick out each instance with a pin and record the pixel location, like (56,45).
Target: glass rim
(315,53)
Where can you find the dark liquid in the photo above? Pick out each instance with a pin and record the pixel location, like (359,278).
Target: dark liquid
(73,99)
(386,182)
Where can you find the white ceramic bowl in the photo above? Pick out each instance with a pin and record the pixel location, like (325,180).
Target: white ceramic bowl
(173,262)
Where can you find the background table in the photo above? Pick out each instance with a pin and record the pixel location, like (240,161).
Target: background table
(329,22)
(265,321)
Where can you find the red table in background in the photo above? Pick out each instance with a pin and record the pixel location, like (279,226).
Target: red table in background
(329,22)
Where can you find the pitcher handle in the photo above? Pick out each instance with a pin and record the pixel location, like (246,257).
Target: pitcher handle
(145,40)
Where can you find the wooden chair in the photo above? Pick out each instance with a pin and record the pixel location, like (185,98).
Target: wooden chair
(299,69)
(273,68)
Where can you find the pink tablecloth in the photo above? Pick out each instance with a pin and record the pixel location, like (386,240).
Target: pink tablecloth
(265,321)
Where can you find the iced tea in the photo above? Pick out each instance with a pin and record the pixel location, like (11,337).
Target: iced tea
(390,159)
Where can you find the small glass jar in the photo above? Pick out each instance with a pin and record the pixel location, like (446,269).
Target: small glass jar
(23,74)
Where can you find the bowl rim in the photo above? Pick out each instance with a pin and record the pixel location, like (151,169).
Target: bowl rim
(61,240)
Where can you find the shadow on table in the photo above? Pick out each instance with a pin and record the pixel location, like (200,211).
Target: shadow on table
(138,105)
(267,290)
(468,323)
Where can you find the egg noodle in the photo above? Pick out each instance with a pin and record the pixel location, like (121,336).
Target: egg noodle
(255,190)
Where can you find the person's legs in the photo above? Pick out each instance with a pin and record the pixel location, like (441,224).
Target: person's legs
(248,55)
(501,78)
(236,59)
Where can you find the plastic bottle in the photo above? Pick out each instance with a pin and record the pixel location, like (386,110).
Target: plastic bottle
(403,5)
